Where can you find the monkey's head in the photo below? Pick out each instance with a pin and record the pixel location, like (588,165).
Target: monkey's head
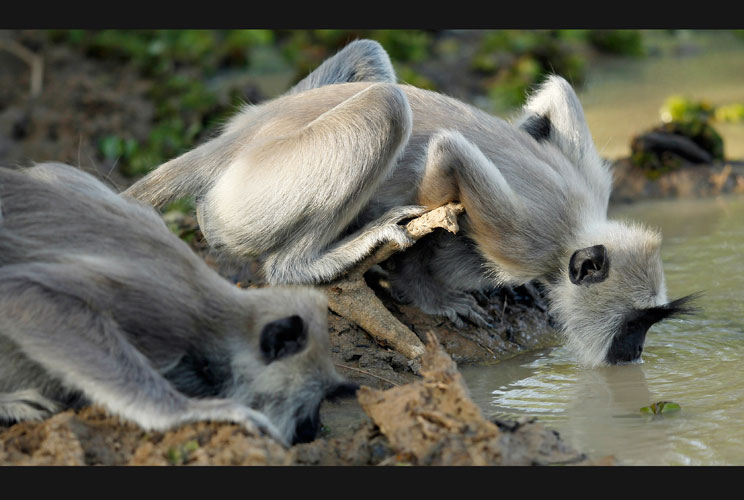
(610,291)
(605,282)
(294,372)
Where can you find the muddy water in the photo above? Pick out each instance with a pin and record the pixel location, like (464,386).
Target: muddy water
(697,363)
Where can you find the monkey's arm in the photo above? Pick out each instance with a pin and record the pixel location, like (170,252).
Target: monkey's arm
(437,277)
(86,350)
(344,254)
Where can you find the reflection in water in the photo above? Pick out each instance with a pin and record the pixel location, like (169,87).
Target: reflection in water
(696,362)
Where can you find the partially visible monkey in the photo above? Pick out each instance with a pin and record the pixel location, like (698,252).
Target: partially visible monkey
(315,179)
(100,302)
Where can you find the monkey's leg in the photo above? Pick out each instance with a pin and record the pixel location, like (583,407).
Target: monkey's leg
(290,198)
(438,275)
(437,282)
(86,350)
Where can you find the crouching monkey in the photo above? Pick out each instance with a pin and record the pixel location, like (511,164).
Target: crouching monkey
(101,303)
(314,180)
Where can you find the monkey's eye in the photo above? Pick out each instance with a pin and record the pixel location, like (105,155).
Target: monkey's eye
(589,265)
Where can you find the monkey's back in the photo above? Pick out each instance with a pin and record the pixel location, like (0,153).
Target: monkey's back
(64,229)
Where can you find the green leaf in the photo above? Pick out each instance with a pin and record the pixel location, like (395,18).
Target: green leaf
(661,407)
(668,407)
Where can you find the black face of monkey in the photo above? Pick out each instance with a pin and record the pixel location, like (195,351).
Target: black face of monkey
(591,265)
(282,339)
(307,428)
(627,345)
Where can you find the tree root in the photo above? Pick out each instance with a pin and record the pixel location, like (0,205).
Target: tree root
(350,297)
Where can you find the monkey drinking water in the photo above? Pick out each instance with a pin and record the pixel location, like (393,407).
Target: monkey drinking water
(101,303)
(314,180)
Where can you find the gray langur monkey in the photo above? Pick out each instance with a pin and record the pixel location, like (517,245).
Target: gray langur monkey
(314,180)
(101,303)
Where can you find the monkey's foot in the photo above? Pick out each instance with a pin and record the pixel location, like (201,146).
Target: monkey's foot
(459,307)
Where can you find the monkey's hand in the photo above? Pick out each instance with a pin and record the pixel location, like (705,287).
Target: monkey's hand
(391,221)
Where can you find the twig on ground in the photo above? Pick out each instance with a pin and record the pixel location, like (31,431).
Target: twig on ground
(35,62)
(366,373)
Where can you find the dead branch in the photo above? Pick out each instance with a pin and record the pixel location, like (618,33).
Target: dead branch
(34,61)
(350,297)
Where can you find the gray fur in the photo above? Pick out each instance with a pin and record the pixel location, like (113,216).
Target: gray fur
(324,174)
(100,302)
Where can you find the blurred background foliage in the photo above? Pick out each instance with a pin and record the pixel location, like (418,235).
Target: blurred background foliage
(198,77)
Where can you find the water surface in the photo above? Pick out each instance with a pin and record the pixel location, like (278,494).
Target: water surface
(697,363)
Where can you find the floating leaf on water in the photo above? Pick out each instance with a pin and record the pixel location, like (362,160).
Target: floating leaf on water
(661,407)
(668,407)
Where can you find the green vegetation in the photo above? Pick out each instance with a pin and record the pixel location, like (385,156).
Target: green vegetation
(182,65)
(517,60)
(178,455)
(678,108)
(619,42)
(689,118)
(178,62)
(730,113)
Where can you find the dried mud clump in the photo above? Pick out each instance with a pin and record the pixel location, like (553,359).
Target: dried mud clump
(434,422)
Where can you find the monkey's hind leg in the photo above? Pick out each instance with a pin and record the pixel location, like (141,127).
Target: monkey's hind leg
(335,164)
(456,170)
(86,350)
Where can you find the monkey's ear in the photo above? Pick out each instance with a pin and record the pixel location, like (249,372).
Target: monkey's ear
(283,337)
(589,265)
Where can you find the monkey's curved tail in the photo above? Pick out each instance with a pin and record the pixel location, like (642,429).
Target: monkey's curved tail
(191,174)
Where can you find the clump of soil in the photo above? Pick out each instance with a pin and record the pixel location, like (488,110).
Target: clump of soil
(433,421)
(631,182)
(90,437)
(671,145)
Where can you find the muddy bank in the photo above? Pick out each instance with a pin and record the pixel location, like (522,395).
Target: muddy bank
(432,421)
(631,183)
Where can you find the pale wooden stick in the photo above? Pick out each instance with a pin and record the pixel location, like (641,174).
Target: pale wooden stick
(350,297)
(35,62)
